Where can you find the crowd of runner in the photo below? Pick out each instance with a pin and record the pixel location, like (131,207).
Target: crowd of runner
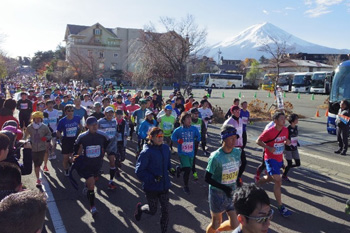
(91,123)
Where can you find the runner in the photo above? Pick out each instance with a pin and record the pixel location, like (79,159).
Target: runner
(147,125)
(39,133)
(291,152)
(53,117)
(252,205)
(69,126)
(108,125)
(98,108)
(122,135)
(221,175)
(206,112)
(152,168)
(131,108)
(199,124)
(186,136)
(166,123)
(277,137)
(244,115)
(25,108)
(237,122)
(89,149)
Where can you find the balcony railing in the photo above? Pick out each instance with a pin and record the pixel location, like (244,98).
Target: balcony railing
(95,44)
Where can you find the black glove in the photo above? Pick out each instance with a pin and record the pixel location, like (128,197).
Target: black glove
(158,178)
(228,191)
(172,171)
(292,147)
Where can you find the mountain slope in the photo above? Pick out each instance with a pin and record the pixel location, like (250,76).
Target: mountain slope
(246,43)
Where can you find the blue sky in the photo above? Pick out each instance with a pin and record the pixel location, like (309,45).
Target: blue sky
(33,25)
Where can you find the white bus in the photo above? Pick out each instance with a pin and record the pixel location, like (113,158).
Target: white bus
(198,80)
(285,81)
(302,82)
(321,82)
(224,81)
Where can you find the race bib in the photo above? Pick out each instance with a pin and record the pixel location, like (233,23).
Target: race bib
(110,132)
(60,113)
(168,126)
(279,148)
(245,120)
(71,132)
(93,151)
(24,106)
(229,173)
(187,147)
(52,120)
(294,141)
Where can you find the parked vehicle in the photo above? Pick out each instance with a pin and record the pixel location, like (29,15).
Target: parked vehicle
(302,82)
(321,82)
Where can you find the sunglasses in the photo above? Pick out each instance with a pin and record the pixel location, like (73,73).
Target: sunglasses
(263,219)
(159,135)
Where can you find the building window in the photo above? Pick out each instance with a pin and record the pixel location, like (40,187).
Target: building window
(97,31)
(101,55)
(115,55)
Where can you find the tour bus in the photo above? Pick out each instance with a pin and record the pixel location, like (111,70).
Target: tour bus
(224,81)
(339,91)
(302,82)
(285,81)
(198,80)
(268,83)
(321,82)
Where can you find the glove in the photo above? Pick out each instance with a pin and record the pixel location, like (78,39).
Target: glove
(43,139)
(158,178)
(228,191)
(172,171)
(207,118)
(180,141)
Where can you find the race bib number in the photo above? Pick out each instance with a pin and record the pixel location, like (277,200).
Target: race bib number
(167,126)
(24,106)
(279,148)
(187,147)
(110,132)
(245,120)
(52,120)
(229,173)
(93,151)
(294,141)
(46,121)
(71,132)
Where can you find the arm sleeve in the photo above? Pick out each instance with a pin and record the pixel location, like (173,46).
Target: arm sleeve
(211,181)
(141,168)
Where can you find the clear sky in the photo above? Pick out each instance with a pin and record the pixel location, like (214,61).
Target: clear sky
(38,25)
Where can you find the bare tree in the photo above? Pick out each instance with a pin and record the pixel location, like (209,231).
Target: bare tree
(334,60)
(278,50)
(160,56)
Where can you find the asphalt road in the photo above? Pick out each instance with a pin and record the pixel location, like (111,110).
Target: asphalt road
(316,196)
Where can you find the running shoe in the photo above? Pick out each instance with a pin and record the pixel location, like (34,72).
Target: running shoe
(284,211)
(239,182)
(285,178)
(343,152)
(112,185)
(66,172)
(178,171)
(138,211)
(338,151)
(93,211)
(45,169)
(347,207)
(195,175)
(38,182)
(187,190)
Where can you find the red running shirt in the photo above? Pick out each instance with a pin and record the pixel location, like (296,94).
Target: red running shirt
(278,143)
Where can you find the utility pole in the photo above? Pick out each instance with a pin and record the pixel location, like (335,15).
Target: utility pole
(219,56)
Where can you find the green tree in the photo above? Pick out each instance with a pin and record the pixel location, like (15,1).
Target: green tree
(254,73)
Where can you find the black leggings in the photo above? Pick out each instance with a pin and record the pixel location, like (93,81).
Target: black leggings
(290,165)
(243,164)
(151,207)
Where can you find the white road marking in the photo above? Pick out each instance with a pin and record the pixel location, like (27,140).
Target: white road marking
(323,158)
(51,204)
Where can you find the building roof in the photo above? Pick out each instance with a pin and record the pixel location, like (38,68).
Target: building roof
(75,29)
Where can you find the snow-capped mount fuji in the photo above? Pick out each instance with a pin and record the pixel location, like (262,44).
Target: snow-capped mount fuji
(247,43)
